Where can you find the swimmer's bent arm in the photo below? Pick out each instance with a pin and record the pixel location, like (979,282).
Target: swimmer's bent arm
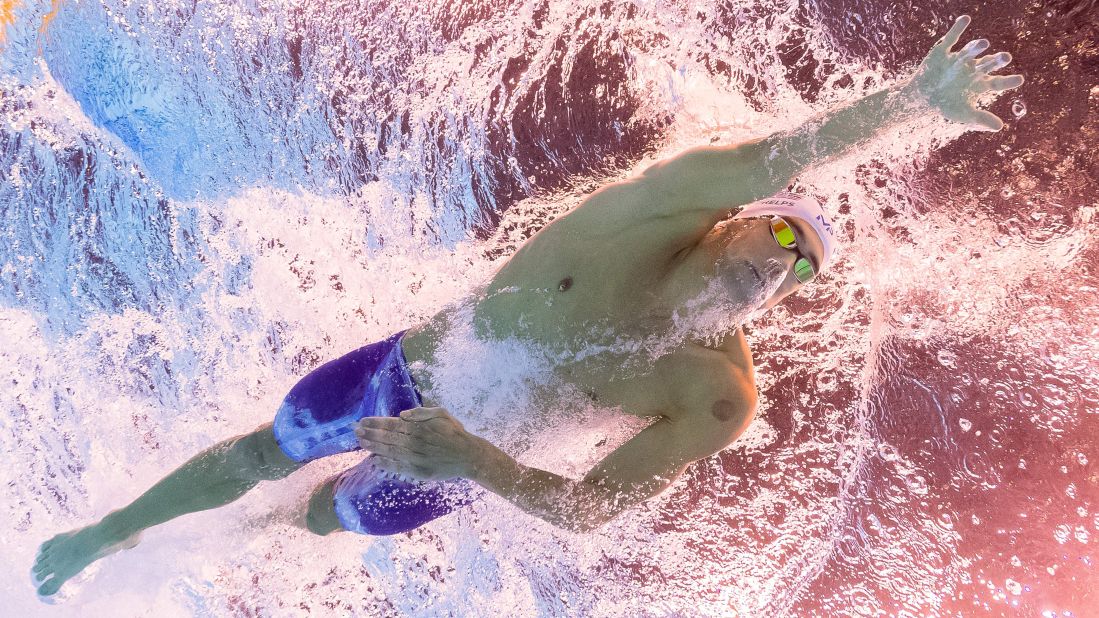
(719,178)
(641,468)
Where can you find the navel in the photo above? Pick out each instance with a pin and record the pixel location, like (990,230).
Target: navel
(723,410)
(565,284)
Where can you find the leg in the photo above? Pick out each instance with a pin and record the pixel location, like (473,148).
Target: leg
(213,478)
(319,514)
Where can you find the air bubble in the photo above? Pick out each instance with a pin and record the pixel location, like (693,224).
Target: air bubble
(965,424)
(1013,586)
(916,484)
(887,452)
(945,520)
(948,359)
(1018,108)
(1062,533)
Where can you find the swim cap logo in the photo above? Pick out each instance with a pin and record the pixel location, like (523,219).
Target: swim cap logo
(827,225)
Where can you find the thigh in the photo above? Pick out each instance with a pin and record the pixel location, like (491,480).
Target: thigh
(275,461)
(369,501)
(257,457)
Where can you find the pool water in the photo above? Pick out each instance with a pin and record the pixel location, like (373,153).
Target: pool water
(201,202)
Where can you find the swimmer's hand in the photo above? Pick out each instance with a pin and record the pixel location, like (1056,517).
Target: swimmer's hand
(427,444)
(951,81)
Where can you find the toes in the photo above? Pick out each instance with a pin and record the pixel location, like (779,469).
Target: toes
(54,583)
(40,561)
(50,587)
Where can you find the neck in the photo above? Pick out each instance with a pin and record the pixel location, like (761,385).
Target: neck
(706,313)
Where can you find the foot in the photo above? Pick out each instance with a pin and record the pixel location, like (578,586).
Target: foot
(65,555)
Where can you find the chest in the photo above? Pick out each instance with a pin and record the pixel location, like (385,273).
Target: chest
(574,285)
(601,304)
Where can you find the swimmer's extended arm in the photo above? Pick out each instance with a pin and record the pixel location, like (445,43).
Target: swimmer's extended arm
(641,468)
(718,178)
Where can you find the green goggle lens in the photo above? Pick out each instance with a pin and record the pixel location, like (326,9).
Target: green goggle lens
(803,268)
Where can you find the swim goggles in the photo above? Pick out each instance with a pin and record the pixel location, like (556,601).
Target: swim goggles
(784,236)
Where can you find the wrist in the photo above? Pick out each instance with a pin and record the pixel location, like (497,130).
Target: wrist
(907,94)
(485,457)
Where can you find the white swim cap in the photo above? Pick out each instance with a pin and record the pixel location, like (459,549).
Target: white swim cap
(794,205)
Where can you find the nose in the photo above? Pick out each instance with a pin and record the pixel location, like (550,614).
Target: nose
(785,256)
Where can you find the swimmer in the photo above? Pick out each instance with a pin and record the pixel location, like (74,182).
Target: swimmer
(627,259)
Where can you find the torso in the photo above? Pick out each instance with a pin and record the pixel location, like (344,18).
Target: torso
(584,281)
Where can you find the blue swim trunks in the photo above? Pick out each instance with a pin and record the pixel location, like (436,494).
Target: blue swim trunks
(316,420)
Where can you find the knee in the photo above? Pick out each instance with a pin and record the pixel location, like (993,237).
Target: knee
(320,525)
(320,515)
(257,457)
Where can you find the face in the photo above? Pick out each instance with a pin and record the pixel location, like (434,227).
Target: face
(755,268)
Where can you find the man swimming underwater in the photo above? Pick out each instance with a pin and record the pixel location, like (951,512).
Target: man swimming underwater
(619,266)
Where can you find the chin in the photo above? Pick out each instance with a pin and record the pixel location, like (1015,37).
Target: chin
(774,300)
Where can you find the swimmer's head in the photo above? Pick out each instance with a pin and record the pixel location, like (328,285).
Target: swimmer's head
(755,267)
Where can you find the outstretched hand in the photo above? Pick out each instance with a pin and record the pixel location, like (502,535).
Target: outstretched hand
(427,444)
(952,81)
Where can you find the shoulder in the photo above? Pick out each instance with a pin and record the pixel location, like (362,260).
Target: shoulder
(713,391)
(637,202)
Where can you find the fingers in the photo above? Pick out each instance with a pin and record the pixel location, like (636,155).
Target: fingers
(988,120)
(382,426)
(394,451)
(992,63)
(1000,83)
(955,33)
(387,423)
(391,464)
(394,443)
(423,414)
(973,48)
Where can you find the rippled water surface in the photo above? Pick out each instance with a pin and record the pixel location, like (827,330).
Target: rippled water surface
(200,202)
